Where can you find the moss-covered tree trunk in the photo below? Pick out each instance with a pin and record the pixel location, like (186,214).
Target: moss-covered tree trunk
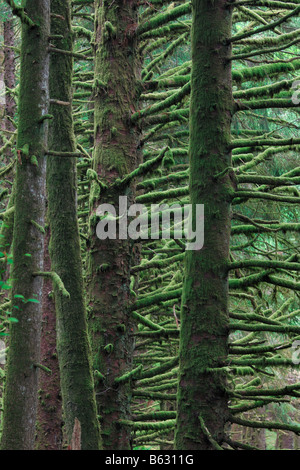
(20,399)
(72,337)
(108,271)
(202,400)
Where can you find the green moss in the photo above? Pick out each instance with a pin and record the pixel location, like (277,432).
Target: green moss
(103,267)
(204,311)
(21,380)
(38,226)
(110,30)
(34,160)
(73,343)
(94,192)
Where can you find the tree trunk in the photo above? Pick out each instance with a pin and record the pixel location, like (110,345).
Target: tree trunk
(9,81)
(72,337)
(20,399)
(9,76)
(117,70)
(202,400)
(49,414)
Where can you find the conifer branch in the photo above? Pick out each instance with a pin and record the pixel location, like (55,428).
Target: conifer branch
(206,432)
(265,424)
(163,18)
(20,12)
(267,27)
(56,281)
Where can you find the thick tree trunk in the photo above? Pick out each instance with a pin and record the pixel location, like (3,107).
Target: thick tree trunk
(72,337)
(202,400)
(117,71)
(20,400)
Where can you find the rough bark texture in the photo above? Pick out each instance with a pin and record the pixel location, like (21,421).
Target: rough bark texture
(109,261)
(49,414)
(72,338)
(20,400)
(9,81)
(204,315)
(9,74)
(2,89)
(10,102)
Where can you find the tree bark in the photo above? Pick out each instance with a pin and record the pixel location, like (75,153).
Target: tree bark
(73,346)
(49,434)
(20,399)
(117,70)
(9,74)
(202,400)
(9,80)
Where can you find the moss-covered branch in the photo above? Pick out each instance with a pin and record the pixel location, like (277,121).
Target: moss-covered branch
(20,12)
(262,327)
(56,281)
(266,424)
(136,425)
(167,103)
(264,142)
(248,229)
(206,432)
(157,298)
(164,17)
(269,26)
(142,169)
(133,374)
(257,263)
(262,195)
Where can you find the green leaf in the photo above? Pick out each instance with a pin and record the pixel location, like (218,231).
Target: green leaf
(6,286)
(33,300)
(19,296)
(13,319)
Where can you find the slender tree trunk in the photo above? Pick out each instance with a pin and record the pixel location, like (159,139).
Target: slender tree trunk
(9,76)
(20,399)
(202,400)
(72,337)
(117,70)
(49,414)
(2,90)
(9,80)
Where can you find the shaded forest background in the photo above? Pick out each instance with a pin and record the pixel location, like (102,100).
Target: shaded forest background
(111,98)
